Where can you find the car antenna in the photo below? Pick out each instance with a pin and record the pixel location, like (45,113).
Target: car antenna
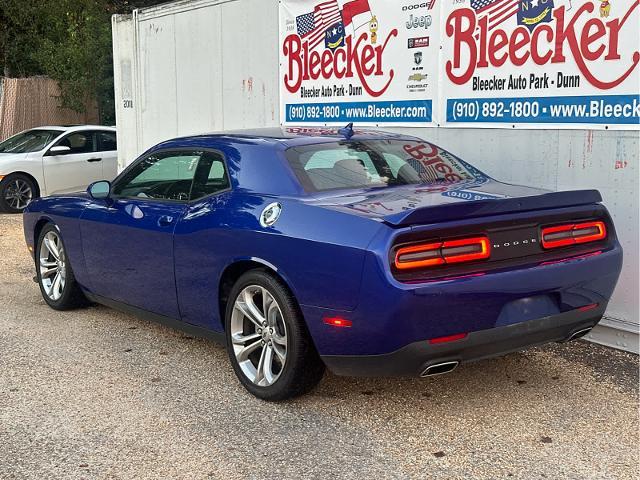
(347,132)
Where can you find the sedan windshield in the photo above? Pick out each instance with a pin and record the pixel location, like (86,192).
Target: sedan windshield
(375,163)
(29,141)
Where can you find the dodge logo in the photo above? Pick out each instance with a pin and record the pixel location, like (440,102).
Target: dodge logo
(515,243)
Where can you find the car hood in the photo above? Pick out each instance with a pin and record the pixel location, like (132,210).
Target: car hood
(8,158)
(412,204)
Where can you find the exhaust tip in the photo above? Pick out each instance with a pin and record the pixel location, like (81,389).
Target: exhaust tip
(579,333)
(439,368)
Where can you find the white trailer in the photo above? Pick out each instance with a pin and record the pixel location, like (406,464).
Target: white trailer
(197,66)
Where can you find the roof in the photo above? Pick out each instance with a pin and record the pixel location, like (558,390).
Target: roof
(289,136)
(70,128)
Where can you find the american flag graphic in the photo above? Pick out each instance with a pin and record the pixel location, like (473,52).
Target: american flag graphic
(428,173)
(497,11)
(313,25)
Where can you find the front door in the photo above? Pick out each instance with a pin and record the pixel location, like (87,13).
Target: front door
(128,244)
(75,169)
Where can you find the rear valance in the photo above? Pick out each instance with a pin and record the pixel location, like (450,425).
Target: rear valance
(480,208)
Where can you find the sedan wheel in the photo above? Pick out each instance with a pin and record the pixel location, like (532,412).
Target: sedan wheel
(269,345)
(18,194)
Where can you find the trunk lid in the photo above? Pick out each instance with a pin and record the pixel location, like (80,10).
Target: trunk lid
(424,204)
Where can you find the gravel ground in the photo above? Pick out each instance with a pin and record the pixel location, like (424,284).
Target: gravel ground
(99,394)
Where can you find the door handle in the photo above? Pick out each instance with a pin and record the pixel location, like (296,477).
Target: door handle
(165,221)
(94,160)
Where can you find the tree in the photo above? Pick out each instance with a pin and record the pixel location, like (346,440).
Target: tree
(20,34)
(67,40)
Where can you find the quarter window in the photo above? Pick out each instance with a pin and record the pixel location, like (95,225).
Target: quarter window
(211,176)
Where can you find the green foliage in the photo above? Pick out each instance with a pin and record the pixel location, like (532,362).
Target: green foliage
(67,40)
(20,33)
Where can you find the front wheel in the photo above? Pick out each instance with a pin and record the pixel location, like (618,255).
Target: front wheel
(16,193)
(268,342)
(55,277)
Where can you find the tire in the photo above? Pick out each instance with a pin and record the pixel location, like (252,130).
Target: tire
(66,294)
(16,192)
(249,342)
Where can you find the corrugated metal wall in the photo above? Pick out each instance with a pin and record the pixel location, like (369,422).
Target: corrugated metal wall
(33,102)
(197,66)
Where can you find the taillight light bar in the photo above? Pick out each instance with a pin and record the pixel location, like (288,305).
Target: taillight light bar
(425,255)
(573,234)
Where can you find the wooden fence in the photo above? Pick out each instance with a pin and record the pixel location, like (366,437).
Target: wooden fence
(33,102)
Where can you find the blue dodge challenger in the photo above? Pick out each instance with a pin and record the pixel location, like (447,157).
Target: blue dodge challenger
(366,252)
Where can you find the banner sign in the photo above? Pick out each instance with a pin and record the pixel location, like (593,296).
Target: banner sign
(541,63)
(471,63)
(361,61)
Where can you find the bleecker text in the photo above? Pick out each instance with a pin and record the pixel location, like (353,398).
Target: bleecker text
(597,40)
(357,58)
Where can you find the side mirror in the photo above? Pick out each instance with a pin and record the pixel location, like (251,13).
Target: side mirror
(59,150)
(99,190)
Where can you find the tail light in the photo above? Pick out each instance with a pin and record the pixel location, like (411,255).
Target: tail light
(432,254)
(572,234)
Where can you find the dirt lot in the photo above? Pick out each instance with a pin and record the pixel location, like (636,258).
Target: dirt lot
(98,394)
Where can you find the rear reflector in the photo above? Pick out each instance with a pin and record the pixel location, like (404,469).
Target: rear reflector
(586,308)
(449,338)
(337,322)
(441,253)
(572,234)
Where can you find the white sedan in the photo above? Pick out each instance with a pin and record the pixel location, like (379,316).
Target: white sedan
(50,160)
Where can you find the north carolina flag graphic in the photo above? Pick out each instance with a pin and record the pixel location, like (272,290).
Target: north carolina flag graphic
(356,13)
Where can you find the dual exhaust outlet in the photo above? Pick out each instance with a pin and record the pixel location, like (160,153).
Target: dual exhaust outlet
(580,333)
(446,367)
(440,368)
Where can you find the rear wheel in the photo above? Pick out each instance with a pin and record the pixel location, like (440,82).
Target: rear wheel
(55,277)
(268,343)
(16,192)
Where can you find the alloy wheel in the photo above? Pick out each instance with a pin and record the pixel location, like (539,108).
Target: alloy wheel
(259,335)
(53,270)
(18,194)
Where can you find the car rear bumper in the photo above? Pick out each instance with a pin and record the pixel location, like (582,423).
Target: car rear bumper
(415,358)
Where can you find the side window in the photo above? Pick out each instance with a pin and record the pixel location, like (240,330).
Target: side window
(164,176)
(107,141)
(79,142)
(211,176)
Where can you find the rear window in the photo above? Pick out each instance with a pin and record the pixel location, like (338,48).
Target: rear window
(375,163)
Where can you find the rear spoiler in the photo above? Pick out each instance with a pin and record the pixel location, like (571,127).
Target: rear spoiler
(481,208)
